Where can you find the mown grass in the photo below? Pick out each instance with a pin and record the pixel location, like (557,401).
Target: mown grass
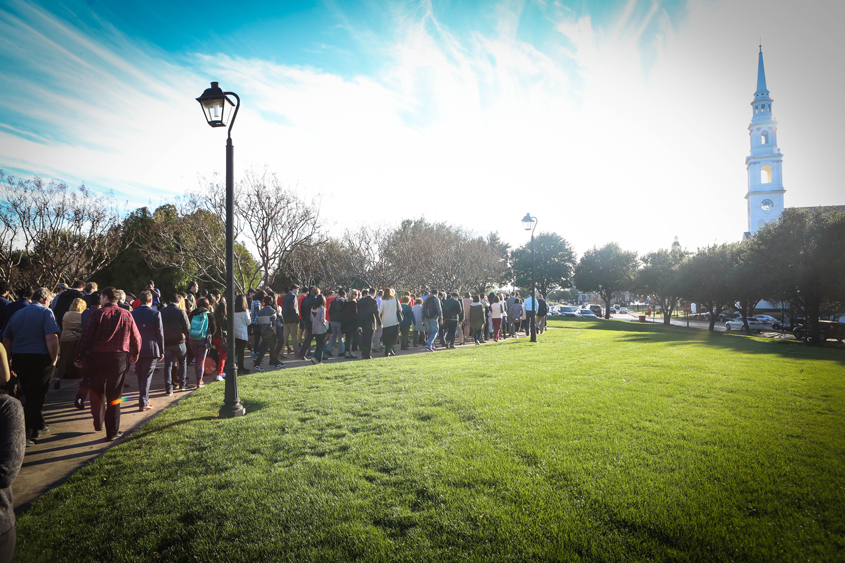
(606,441)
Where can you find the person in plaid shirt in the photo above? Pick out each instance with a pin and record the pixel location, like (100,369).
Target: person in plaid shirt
(110,342)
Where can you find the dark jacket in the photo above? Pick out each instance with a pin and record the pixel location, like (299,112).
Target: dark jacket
(407,316)
(219,320)
(290,308)
(349,316)
(307,305)
(176,325)
(368,317)
(477,316)
(148,321)
(64,302)
(452,310)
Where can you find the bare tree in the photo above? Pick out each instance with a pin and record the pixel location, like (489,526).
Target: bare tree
(59,232)
(275,221)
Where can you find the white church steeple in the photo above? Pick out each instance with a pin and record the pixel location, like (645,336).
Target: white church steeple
(765,177)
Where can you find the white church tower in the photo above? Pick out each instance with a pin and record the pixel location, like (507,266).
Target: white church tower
(764,165)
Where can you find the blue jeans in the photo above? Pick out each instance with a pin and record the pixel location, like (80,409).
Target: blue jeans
(336,334)
(175,354)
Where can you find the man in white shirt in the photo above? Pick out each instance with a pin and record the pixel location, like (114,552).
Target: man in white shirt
(530,307)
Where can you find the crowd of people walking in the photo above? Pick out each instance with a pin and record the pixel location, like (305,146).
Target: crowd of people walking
(95,336)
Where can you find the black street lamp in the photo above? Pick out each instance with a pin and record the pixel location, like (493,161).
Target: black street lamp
(219,111)
(530,223)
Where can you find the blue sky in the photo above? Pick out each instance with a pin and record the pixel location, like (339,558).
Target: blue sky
(469,112)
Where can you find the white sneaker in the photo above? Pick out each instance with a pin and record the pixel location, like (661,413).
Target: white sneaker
(220,378)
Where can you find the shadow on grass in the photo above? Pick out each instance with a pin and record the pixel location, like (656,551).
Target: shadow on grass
(146,430)
(254,405)
(652,333)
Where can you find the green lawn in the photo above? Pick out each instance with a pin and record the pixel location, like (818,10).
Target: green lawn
(606,441)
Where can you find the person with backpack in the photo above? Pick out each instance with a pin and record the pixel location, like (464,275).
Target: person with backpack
(542,311)
(267,329)
(202,328)
(334,317)
(432,314)
(452,315)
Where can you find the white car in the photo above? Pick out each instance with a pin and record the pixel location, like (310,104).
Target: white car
(766,319)
(753,324)
(569,311)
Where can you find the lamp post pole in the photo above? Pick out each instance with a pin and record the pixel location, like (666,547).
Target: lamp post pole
(530,222)
(217,108)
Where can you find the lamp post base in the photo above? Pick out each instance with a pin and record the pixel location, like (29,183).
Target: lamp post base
(232,411)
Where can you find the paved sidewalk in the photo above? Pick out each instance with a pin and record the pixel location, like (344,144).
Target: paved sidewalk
(72,442)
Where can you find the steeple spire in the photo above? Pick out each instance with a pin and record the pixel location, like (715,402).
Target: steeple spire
(761,74)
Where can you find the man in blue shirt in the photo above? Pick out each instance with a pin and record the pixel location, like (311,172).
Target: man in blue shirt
(530,307)
(31,339)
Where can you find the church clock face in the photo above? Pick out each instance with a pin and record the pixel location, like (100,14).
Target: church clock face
(767,205)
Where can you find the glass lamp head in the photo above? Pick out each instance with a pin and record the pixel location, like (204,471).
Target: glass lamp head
(216,107)
(528,221)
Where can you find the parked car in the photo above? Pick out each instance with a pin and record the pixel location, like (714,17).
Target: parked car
(569,311)
(597,310)
(829,329)
(587,314)
(623,310)
(766,319)
(753,324)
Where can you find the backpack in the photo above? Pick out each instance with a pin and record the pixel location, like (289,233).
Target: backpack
(335,307)
(429,311)
(542,309)
(199,327)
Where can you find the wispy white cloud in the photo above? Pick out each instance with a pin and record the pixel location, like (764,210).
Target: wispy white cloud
(470,126)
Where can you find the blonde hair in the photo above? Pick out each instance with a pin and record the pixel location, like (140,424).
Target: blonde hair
(389,293)
(78,305)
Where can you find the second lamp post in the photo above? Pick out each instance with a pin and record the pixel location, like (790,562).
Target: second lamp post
(530,223)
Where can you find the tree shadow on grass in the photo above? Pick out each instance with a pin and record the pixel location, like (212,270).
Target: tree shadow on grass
(648,333)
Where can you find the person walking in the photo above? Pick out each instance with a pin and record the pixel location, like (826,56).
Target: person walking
(307,336)
(290,315)
(432,313)
(199,337)
(254,308)
(477,318)
(419,326)
(368,320)
(176,328)
(148,321)
(334,316)
(242,323)
(67,341)
(390,312)
(110,342)
(319,327)
(267,329)
(23,301)
(452,315)
(349,323)
(517,315)
(529,306)
(218,339)
(497,310)
(31,339)
(407,321)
